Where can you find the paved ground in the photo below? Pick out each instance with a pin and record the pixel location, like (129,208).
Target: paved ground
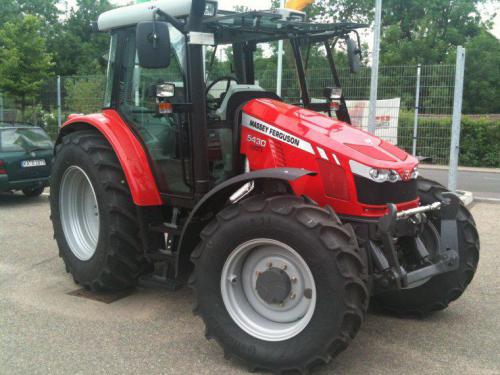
(44,330)
(481,182)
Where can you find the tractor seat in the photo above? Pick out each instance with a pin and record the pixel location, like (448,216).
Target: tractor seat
(238,94)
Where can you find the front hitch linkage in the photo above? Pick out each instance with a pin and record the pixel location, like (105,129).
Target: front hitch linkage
(446,260)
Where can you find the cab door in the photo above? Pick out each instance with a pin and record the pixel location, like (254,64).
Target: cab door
(165,137)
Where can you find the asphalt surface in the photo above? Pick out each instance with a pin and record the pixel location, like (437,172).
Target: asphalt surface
(44,330)
(481,183)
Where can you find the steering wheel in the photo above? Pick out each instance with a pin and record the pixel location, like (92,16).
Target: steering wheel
(229,79)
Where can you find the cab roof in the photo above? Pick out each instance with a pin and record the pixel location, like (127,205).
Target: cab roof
(261,26)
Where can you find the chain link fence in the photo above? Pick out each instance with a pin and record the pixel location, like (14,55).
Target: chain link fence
(400,115)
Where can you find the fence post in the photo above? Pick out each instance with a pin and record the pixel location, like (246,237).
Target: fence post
(279,73)
(59,114)
(457,118)
(417,107)
(1,107)
(372,116)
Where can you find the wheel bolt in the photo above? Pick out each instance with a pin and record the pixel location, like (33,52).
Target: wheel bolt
(270,264)
(293,279)
(292,296)
(284,267)
(232,279)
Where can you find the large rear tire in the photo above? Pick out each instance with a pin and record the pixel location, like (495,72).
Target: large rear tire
(258,262)
(93,215)
(438,292)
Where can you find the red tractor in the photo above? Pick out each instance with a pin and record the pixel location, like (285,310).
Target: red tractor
(285,219)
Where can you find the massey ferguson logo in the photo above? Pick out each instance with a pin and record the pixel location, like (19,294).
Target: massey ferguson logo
(273,132)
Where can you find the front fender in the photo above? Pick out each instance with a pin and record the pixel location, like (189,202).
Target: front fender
(130,152)
(217,198)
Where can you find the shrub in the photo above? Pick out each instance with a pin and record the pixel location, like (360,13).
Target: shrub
(479,141)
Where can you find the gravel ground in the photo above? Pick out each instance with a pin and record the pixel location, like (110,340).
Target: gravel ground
(44,330)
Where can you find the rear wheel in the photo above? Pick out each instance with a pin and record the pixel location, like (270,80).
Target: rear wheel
(33,192)
(437,292)
(93,214)
(280,283)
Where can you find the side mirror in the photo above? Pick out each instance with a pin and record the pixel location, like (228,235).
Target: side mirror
(165,90)
(354,55)
(153,44)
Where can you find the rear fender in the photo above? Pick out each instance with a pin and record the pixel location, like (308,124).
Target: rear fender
(130,152)
(216,199)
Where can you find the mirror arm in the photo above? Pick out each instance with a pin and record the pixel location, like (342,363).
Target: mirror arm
(343,112)
(155,35)
(359,39)
(173,21)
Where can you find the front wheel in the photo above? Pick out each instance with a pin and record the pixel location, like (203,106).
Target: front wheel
(437,292)
(280,284)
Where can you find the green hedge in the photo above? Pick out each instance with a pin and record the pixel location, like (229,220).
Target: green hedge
(479,141)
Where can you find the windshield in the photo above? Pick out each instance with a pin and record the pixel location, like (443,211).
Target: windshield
(24,139)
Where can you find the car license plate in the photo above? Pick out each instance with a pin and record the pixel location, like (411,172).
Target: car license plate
(33,163)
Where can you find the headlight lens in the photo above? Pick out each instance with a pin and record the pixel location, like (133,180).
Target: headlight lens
(415,173)
(378,175)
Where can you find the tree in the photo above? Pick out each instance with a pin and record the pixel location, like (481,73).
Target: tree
(427,31)
(25,63)
(482,74)
(45,10)
(76,47)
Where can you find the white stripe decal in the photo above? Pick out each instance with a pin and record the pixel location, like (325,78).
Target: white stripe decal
(322,153)
(336,159)
(273,132)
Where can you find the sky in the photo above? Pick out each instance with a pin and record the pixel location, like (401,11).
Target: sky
(490,8)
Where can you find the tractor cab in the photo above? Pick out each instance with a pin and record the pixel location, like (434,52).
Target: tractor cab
(171,96)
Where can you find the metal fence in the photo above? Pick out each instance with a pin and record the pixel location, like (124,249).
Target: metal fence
(414,109)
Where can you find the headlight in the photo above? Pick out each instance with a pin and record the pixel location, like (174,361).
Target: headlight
(414,173)
(378,175)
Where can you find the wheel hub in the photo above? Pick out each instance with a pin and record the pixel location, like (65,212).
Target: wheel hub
(268,289)
(274,285)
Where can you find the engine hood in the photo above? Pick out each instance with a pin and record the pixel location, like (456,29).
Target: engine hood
(331,135)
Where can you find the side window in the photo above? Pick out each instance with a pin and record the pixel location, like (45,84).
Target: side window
(165,137)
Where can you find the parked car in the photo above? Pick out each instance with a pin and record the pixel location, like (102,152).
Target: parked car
(26,153)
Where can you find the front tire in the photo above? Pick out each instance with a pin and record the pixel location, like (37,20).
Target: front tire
(437,293)
(93,215)
(294,253)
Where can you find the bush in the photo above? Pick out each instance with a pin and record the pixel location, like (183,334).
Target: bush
(479,141)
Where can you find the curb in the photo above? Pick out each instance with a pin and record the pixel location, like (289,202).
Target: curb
(467,197)
(487,200)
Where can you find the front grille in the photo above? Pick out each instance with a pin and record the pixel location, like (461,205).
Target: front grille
(371,192)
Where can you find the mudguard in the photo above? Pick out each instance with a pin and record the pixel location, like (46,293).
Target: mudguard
(215,200)
(130,152)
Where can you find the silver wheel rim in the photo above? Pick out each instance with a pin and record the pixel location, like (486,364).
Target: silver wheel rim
(255,316)
(79,213)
